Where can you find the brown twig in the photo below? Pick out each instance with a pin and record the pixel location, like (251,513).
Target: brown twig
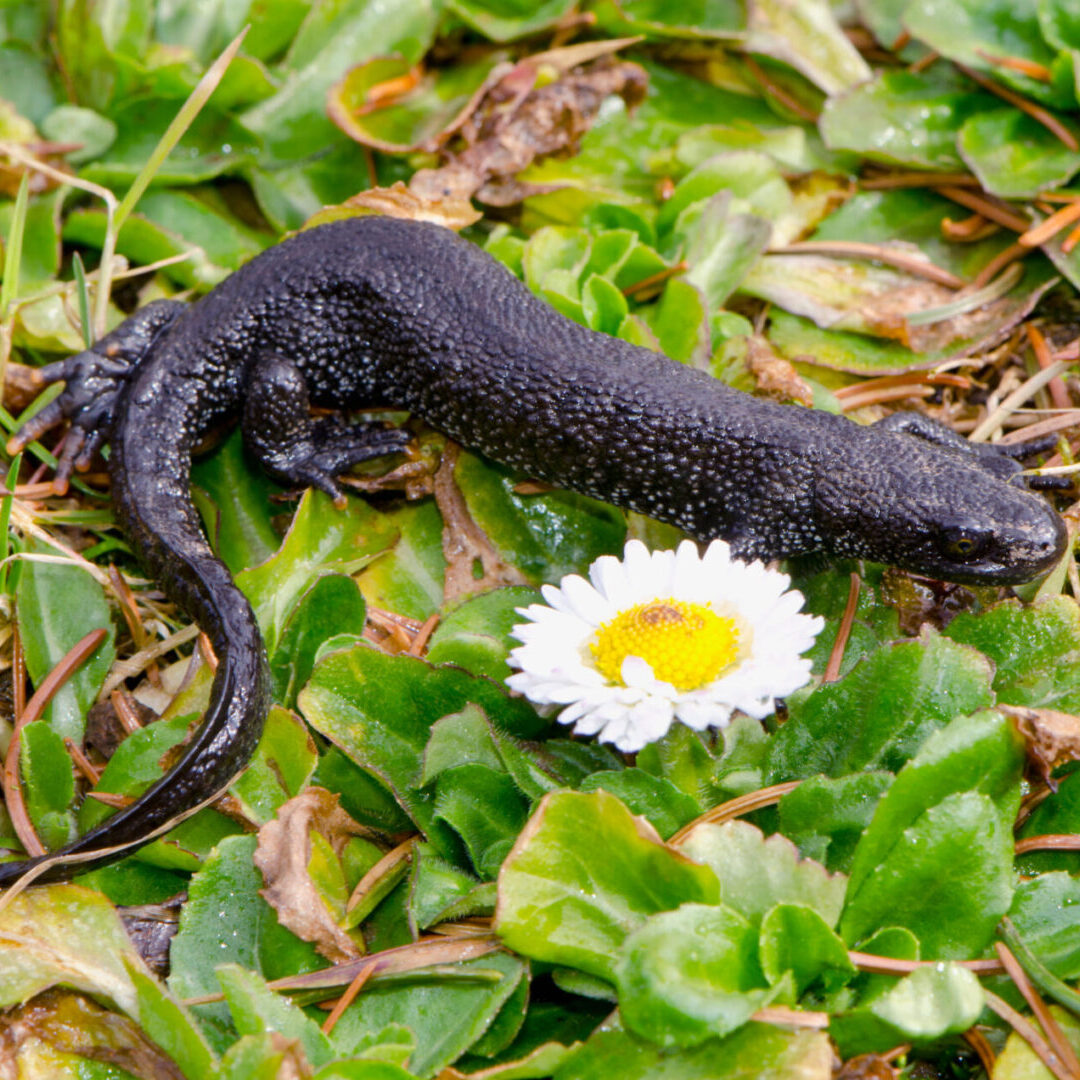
(734,808)
(918,179)
(1054,1035)
(1038,72)
(983,204)
(1048,842)
(888,965)
(419,642)
(125,711)
(89,770)
(646,283)
(778,92)
(998,263)
(1036,112)
(1059,394)
(981,1045)
(1026,1030)
(836,657)
(856,249)
(1049,228)
(346,999)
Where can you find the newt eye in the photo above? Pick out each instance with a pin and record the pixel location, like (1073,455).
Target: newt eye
(963,543)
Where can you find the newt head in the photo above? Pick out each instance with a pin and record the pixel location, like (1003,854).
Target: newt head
(937,510)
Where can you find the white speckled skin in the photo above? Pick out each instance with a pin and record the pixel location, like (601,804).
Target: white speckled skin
(375,310)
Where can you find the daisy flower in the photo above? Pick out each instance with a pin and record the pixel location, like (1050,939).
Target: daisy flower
(653,638)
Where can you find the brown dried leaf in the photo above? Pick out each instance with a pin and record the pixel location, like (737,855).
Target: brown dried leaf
(400,202)
(282,856)
(867,1067)
(73,1024)
(516,124)
(464,542)
(1051,738)
(775,377)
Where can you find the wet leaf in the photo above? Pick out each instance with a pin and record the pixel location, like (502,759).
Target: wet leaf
(557,906)
(878,715)
(948,878)
(904,118)
(225,920)
(1013,155)
(925,1005)
(321,538)
(58,605)
(1043,914)
(756,873)
(689,975)
(759,1050)
(795,938)
(1035,650)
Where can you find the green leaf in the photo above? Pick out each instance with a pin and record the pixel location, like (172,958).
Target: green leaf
(809,38)
(234,500)
(49,783)
(293,123)
(761,1051)
(487,811)
(255,1008)
(567,906)
(334,605)
(976,32)
(279,769)
(506,20)
(379,710)
(1035,650)
(825,817)
(1013,155)
(657,800)
(756,873)
(929,1003)
(656,18)
(904,118)
(408,578)
(1018,1061)
(544,536)
(416,118)
(168,1024)
(689,975)
(320,539)
(135,765)
(476,635)
(682,758)
(434,886)
(948,878)
(981,753)
(225,920)
(1043,915)
(57,606)
(878,715)
(448,1011)
(795,938)
(1059,813)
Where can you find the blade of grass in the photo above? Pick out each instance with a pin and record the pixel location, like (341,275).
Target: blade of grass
(173,134)
(1037,971)
(5,518)
(82,292)
(13,247)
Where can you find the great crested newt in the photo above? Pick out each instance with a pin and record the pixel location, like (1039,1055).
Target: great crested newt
(370,311)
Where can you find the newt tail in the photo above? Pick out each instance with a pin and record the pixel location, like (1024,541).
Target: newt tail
(375,311)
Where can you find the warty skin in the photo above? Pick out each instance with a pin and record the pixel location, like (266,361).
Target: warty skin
(371,311)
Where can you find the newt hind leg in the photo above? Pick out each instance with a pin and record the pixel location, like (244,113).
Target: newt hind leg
(95,380)
(295,449)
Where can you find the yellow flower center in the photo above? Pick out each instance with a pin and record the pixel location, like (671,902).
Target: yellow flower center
(687,645)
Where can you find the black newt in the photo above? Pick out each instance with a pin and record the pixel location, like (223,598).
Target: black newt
(374,310)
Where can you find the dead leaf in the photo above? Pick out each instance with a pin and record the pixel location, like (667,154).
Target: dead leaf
(518,123)
(464,543)
(776,377)
(73,1024)
(282,856)
(398,201)
(151,928)
(1052,738)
